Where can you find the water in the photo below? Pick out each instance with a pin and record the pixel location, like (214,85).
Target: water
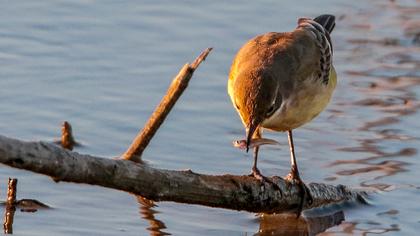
(104,65)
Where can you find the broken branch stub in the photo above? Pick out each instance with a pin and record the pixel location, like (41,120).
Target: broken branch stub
(67,139)
(9,212)
(11,191)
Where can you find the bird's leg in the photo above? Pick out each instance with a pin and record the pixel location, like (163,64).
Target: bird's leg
(255,171)
(294,177)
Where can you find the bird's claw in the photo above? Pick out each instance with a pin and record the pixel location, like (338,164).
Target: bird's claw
(304,192)
(257,174)
(263,180)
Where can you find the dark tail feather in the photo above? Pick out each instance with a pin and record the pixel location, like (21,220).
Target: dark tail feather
(327,21)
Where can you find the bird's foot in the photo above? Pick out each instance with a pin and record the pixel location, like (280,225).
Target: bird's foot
(257,175)
(304,193)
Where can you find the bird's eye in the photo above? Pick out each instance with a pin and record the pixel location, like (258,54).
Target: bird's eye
(270,111)
(237,106)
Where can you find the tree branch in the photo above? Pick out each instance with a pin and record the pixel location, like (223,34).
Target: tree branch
(224,191)
(175,90)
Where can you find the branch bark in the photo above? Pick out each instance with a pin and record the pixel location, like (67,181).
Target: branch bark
(175,90)
(224,191)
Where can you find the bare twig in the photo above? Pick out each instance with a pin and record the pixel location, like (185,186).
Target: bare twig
(9,213)
(225,191)
(175,90)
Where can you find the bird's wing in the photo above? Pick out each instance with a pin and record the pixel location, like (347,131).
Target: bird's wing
(319,36)
(303,53)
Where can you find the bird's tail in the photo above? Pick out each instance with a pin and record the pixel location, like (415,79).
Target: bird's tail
(327,21)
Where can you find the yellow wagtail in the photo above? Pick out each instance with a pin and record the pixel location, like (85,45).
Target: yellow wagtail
(280,81)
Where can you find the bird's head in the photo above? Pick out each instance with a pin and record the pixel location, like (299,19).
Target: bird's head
(256,98)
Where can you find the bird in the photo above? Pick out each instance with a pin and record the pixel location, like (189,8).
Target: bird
(280,81)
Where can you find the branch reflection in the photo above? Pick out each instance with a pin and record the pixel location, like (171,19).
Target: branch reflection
(147,212)
(288,224)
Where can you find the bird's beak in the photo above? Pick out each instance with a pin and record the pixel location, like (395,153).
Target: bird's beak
(250,132)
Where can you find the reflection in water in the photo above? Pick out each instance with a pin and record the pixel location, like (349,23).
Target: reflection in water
(387,167)
(376,162)
(391,85)
(10,205)
(370,228)
(385,41)
(288,224)
(385,84)
(147,212)
(270,224)
(9,215)
(390,212)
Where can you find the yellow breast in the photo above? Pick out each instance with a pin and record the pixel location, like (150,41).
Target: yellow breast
(309,98)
